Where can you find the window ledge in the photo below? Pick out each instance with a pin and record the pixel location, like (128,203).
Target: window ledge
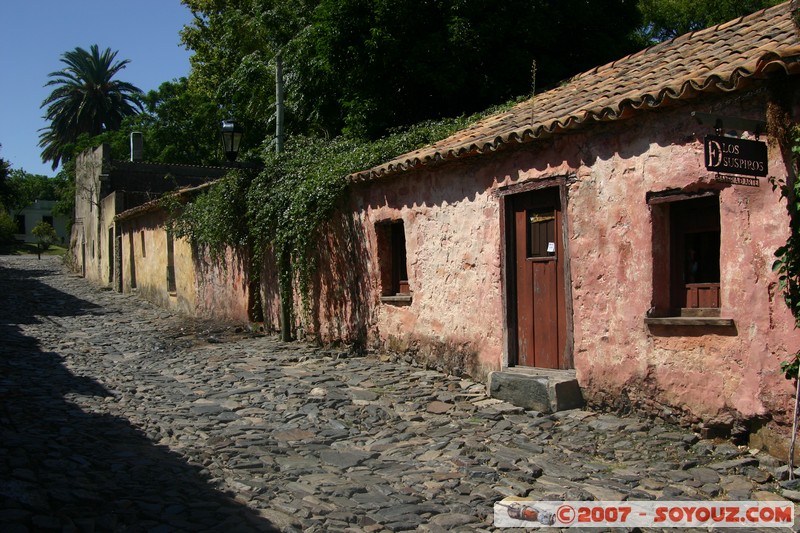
(397,299)
(690,321)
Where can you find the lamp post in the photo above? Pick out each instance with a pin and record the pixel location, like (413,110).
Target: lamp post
(231,137)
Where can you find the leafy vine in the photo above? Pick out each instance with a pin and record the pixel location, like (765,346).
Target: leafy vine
(280,210)
(787,257)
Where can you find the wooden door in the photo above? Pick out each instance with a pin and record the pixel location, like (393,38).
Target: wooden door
(539,258)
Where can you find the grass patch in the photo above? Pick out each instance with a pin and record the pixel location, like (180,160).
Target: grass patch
(29,248)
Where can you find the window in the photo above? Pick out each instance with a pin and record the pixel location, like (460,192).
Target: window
(686,245)
(144,250)
(171,286)
(392,259)
(131,260)
(110,255)
(47,219)
(694,257)
(20,221)
(541,233)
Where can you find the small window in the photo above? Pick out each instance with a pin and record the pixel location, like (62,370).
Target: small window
(110,255)
(392,259)
(20,221)
(47,219)
(171,285)
(144,250)
(686,245)
(541,233)
(131,260)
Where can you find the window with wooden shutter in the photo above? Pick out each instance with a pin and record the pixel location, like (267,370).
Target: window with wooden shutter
(541,233)
(392,261)
(686,253)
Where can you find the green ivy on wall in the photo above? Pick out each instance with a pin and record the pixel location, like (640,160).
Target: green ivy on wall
(787,262)
(214,219)
(787,257)
(280,208)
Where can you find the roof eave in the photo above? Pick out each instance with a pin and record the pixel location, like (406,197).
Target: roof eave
(764,68)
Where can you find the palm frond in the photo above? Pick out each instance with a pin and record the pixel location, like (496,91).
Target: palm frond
(85,99)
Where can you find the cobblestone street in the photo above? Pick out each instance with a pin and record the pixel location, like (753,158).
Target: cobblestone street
(119,416)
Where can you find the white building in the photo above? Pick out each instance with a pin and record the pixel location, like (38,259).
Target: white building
(39,211)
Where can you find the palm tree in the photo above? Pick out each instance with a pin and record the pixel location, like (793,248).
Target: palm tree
(85,100)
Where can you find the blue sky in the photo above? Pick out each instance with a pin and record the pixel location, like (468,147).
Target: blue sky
(35,33)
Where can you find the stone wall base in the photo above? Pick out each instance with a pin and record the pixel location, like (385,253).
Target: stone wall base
(757,433)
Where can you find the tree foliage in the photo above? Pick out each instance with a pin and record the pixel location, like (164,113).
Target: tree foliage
(25,188)
(397,62)
(235,43)
(364,67)
(45,235)
(5,187)
(666,19)
(86,100)
(21,188)
(7,226)
(178,124)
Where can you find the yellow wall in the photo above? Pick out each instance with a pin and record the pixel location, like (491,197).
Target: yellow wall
(150,263)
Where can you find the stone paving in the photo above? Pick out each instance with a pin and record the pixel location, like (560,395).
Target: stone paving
(116,415)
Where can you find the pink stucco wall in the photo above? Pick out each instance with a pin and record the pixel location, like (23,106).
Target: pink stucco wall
(708,373)
(221,287)
(453,255)
(451,216)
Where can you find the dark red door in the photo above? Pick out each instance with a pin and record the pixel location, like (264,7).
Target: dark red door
(539,256)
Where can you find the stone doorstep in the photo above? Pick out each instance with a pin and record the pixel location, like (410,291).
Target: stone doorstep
(543,390)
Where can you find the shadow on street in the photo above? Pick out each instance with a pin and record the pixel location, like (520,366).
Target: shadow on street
(65,469)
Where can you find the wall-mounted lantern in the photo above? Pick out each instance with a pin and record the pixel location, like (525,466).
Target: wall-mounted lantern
(231,137)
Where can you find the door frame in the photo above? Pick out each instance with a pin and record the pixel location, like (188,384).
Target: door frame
(508,269)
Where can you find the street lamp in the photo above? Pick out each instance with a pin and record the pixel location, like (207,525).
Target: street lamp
(231,137)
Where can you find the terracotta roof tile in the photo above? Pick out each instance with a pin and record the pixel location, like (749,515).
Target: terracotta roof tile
(719,58)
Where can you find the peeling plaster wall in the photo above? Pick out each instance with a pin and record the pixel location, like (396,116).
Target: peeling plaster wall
(150,256)
(341,288)
(451,218)
(221,287)
(205,287)
(105,242)
(86,251)
(451,223)
(712,374)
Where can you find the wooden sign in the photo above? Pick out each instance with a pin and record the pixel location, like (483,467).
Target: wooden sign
(729,155)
